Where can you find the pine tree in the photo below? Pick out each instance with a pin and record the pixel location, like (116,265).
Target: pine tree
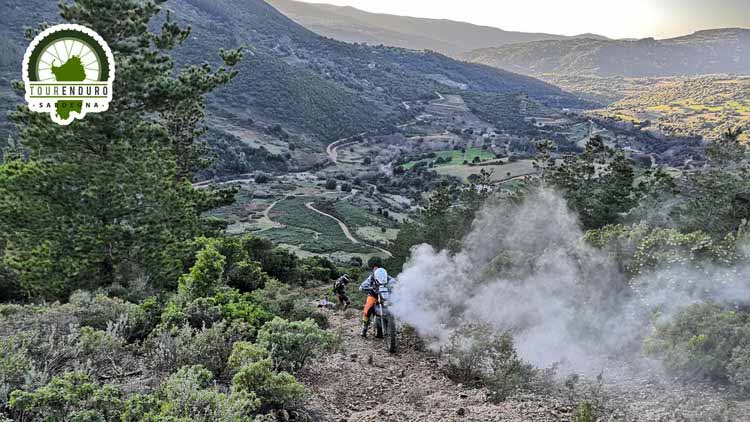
(599,184)
(108,198)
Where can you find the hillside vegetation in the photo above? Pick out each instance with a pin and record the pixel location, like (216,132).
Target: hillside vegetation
(292,76)
(702,106)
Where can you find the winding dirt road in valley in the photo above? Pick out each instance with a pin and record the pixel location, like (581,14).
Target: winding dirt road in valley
(343,226)
(345,229)
(332,148)
(267,212)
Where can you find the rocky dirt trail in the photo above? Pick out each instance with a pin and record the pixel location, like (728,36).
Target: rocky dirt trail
(362,382)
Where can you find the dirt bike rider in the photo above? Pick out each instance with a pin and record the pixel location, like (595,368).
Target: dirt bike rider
(339,288)
(372,284)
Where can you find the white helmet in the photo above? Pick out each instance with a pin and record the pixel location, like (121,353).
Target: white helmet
(381,276)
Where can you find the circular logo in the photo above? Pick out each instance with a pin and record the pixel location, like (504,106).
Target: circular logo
(68,71)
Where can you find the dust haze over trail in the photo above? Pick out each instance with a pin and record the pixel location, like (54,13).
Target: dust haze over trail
(526,269)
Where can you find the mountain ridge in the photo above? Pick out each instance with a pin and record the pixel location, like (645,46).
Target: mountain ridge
(447,36)
(712,51)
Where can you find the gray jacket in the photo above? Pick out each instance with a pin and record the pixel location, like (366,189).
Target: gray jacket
(370,285)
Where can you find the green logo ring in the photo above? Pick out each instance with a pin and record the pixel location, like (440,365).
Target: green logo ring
(72,34)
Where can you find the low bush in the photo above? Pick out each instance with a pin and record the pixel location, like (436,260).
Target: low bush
(101,354)
(508,373)
(226,303)
(236,306)
(584,413)
(188,395)
(706,341)
(478,357)
(99,311)
(738,368)
(275,390)
(291,344)
(279,299)
(253,371)
(204,277)
(247,276)
(15,367)
(202,312)
(187,346)
(69,397)
(245,353)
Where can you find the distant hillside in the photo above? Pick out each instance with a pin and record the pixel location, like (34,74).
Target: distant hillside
(704,52)
(445,36)
(294,77)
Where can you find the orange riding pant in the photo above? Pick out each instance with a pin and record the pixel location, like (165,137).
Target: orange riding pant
(369,304)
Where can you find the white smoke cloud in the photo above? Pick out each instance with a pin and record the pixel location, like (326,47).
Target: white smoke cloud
(525,268)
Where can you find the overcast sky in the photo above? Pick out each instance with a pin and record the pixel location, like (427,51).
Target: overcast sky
(613,18)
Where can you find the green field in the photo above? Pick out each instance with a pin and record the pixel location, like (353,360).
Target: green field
(499,172)
(353,216)
(376,234)
(307,229)
(456,157)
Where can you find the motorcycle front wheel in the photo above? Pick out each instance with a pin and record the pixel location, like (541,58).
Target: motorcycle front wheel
(379,329)
(390,334)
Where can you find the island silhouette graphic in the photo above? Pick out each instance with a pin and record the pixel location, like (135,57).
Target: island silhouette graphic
(70,71)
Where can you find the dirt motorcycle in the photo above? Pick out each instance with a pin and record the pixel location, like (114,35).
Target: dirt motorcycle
(385,322)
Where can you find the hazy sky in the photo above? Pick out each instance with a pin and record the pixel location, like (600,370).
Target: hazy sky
(613,18)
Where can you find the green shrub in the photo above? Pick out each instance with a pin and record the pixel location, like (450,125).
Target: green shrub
(69,397)
(641,248)
(584,413)
(188,396)
(291,344)
(322,268)
(275,390)
(101,353)
(202,312)
(258,249)
(245,260)
(188,346)
(478,357)
(508,373)
(282,265)
(226,303)
(236,306)
(204,277)
(245,353)
(15,365)
(99,311)
(319,274)
(738,368)
(287,303)
(173,315)
(704,341)
(147,318)
(247,276)
(10,287)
